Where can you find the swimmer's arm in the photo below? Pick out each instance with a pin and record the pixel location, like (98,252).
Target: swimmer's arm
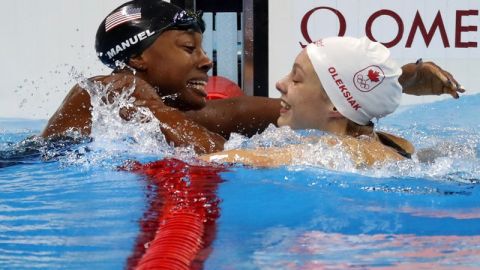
(177,128)
(246,115)
(364,152)
(426,78)
(267,157)
(73,114)
(260,157)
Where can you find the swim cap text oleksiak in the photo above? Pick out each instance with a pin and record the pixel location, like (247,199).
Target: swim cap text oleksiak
(343,88)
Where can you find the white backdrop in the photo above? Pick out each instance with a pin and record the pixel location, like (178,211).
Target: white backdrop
(459,19)
(41,42)
(44,40)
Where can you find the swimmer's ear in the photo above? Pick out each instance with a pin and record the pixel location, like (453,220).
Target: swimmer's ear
(138,63)
(333,113)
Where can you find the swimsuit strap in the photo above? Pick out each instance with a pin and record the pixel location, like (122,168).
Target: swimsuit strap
(388,140)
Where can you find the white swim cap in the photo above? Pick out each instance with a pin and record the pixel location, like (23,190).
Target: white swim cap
(359,77)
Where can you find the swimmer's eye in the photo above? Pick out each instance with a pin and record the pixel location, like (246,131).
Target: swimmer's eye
(295,81)
(189,49)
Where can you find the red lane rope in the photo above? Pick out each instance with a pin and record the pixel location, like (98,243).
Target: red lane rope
(184,214)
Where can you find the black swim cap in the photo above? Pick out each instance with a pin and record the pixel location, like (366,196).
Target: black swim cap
(134,26)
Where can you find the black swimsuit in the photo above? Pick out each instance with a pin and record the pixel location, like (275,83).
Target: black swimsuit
(388,142)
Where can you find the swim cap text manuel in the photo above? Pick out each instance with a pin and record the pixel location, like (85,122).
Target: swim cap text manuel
(132,27)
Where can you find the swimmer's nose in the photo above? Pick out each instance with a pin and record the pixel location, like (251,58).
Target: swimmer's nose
(280,85)
(204,62)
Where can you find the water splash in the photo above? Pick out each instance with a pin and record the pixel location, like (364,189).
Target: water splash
(114,138)
(313,153)
(324,155)
(444,154)
(270,137)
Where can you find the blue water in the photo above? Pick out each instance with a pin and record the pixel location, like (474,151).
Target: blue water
(68,207)
(54,216)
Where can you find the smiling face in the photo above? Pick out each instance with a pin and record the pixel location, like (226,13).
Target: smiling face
(176,65)
(305,104)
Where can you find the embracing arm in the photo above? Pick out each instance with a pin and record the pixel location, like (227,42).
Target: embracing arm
(363,152)
(246,115)
(249,115)
(260,157)
(426,78)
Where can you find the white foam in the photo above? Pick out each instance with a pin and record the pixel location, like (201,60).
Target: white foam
(439,157)
(115,138)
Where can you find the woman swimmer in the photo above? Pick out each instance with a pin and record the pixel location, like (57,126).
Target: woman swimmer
(337,85)
(161,45)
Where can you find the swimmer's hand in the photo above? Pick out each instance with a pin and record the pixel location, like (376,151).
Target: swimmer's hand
(427,78)
(178,129)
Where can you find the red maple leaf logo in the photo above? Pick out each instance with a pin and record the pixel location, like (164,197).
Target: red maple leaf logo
(373,75)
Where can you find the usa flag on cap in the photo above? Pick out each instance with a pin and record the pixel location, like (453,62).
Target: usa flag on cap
(122,16)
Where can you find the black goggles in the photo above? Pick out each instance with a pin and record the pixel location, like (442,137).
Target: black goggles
(188,19)
(183,20)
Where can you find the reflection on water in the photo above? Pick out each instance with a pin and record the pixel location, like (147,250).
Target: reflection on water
(320,250)
(310,218)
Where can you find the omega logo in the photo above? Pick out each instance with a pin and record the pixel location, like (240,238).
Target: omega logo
(418,26)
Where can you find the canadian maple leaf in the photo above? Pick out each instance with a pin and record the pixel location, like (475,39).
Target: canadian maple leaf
(373,75)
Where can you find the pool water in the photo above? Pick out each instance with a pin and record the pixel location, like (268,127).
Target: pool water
(54,216)
(65,206)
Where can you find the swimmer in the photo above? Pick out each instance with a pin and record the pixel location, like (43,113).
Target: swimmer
(337,85)
(161,46)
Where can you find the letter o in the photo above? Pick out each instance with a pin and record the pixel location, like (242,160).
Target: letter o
(306,18)
(386,12)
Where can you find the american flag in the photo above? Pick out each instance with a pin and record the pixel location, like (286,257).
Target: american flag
(124,15)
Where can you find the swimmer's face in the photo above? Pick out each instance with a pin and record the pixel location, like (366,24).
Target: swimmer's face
(305,104)
(176,65)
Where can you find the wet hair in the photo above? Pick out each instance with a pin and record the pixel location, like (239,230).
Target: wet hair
(355,130)
(132,27)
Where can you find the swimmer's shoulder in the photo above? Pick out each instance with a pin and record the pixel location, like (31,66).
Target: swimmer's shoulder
(368,151)
(115,82)
(74,112)
(119,80)
(399,144)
